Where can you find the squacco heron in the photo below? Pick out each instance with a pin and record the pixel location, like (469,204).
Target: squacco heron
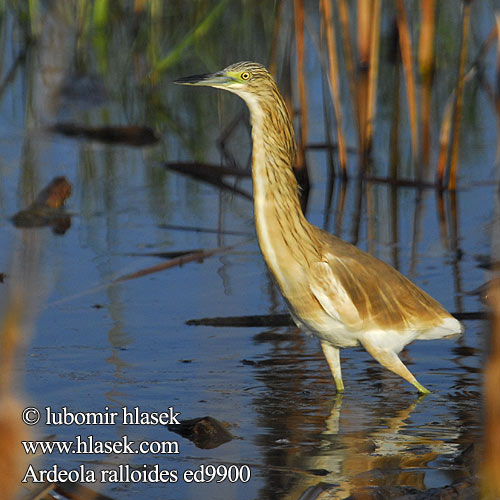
(344,296)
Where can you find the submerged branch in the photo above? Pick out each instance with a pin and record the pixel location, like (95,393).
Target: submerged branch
(177,262)
(278,320)
(130,135)
(211,174)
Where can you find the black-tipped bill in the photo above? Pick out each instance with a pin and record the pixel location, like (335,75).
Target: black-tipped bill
(209,79)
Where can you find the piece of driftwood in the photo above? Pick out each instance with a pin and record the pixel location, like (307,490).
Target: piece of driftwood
(274,320)
(196,229)
(264,320)
(163,255)
(178,261)
(47,209)
(132,135)
(211,174)
(205,432)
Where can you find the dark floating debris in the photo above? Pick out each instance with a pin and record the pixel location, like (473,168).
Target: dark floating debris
(207,170)
(174,262)
(205,432)
(472,315)
(196,229)
(211,174)
(46,210)
(164,255)
(274,320)
(132,135)
(245,321)
(319,472)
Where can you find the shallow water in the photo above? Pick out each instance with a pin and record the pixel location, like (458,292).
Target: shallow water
(95,344)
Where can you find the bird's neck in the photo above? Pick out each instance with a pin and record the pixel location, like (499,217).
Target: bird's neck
(282,229)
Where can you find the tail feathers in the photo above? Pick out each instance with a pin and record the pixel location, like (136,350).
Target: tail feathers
(450,327)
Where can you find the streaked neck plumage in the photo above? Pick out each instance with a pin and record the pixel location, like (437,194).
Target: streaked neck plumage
(282,229)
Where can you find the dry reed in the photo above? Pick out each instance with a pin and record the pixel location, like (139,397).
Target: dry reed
(364,29)
(457,120)
(298,7)
(326,10)
(426,65)
(444,141)
(406,56)
(348,51)
(373,75)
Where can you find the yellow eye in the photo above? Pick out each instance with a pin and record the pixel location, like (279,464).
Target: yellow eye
(245,75)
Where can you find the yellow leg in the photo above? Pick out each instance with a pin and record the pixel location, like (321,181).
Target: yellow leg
(333,358)
(391,361)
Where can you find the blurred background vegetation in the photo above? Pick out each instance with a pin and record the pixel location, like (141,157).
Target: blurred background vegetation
(394,73)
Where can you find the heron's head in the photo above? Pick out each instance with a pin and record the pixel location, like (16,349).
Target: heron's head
(269,116)
(247,79)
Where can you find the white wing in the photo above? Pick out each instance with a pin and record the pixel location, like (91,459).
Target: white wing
(332,296)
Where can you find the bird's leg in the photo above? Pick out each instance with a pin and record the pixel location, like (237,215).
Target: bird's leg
(333,358)
(389,359)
